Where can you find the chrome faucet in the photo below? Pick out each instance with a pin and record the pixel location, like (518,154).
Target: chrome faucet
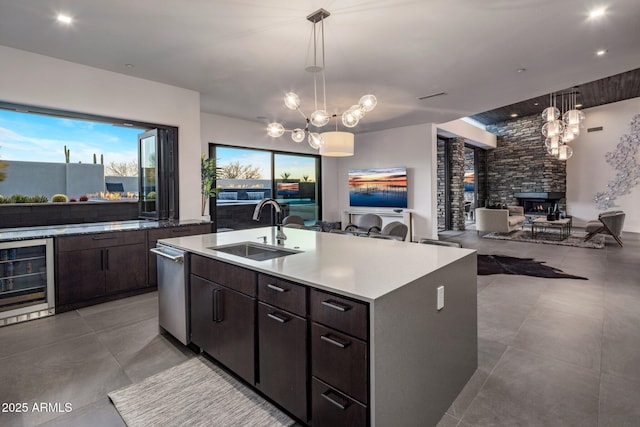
(280,236)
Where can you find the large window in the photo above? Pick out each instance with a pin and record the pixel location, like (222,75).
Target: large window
(246,176)
(82,157)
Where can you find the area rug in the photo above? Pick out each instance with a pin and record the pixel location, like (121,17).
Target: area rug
(550,238)
(194,393)
(499,264)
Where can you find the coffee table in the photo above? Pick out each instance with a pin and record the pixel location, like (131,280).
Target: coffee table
(541,224)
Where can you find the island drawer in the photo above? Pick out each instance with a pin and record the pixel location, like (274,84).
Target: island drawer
(340,313)
(231,276)
(329,407)
(339,360)
(282,294)
(99,240)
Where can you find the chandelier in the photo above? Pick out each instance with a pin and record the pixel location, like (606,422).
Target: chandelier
(336,144)
(562,127)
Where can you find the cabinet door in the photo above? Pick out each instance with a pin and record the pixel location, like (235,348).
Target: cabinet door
(222,324)
(282,349)
(126,267)
(236,323)
(334,409)
(80,276)
(203,329)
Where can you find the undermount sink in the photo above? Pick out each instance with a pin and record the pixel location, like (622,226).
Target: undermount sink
(254,251)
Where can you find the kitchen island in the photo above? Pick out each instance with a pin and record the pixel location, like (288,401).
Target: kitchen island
(386,330)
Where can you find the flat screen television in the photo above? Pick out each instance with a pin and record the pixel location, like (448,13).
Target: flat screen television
(379,187)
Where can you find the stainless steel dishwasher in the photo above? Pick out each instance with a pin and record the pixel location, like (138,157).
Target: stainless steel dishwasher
(172,292)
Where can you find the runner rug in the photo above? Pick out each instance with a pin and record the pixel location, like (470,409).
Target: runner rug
(194,393)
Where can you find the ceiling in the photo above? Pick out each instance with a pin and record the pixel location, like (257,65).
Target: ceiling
(243,55)
(603,91)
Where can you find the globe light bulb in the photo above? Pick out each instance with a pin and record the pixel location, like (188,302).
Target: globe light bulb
(554,128)
(550,114)
(298,135)
(368,102)
(315,140)
(565,152)
(356,111)
(319,118)
(291,101)
(349,120)
(553,142)
(275,130)
(567,135)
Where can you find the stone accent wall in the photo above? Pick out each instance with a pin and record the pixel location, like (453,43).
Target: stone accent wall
(481,177)
(441,187)
(456,166)
(520,163)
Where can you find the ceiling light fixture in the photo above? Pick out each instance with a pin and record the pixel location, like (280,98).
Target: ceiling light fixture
(597,13)
(561,128)
(334,144)
(601,52)
(64,19)
(514,115)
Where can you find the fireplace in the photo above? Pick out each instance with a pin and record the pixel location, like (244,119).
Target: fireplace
(538,204)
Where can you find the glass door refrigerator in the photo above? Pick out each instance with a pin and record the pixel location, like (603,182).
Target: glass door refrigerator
(26,280)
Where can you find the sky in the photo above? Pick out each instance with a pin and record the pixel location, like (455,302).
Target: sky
(39,138)
(296,166)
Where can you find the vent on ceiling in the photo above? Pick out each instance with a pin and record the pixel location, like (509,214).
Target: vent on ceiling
(596,129)
(433,95)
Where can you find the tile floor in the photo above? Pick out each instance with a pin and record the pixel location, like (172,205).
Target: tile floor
(552,352)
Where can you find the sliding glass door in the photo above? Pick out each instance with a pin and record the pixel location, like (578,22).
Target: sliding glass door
(296,184)
(248,175)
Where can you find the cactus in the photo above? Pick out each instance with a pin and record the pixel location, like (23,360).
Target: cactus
(95,160)
(102,159)
(67,154)
(59,198)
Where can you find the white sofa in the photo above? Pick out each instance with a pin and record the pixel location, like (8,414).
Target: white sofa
(500,220)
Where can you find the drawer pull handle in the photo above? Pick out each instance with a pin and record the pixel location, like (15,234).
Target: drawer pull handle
(279,317)
(104,238)
(335,341)
(336,305)
(276,288)
(336,400)
(217,305)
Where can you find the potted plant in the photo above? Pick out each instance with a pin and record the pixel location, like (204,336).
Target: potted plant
(208,173)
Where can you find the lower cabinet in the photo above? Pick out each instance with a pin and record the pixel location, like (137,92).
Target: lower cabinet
(223,325)
(310,347)
(94,266)
(282,350)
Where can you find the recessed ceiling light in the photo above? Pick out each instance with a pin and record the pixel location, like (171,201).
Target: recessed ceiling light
(514,115)
(64,19)
(521,70)
(128,65)
(578,105)
(536,103)
(597,13)
(601,52)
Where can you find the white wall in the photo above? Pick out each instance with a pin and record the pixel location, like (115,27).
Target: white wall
(587,170)
(242,133)
(411,146)
(37,80)
(471,133)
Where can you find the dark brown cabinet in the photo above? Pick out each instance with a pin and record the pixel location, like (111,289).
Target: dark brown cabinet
(168,233)
(223,321)
(98,265)
(339,360)
(282,344)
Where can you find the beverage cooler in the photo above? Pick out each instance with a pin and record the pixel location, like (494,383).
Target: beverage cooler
(26,280)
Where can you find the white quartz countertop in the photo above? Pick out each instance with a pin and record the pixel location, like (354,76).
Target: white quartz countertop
(358,267)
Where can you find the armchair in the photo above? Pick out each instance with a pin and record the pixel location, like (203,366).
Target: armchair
(607,223)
